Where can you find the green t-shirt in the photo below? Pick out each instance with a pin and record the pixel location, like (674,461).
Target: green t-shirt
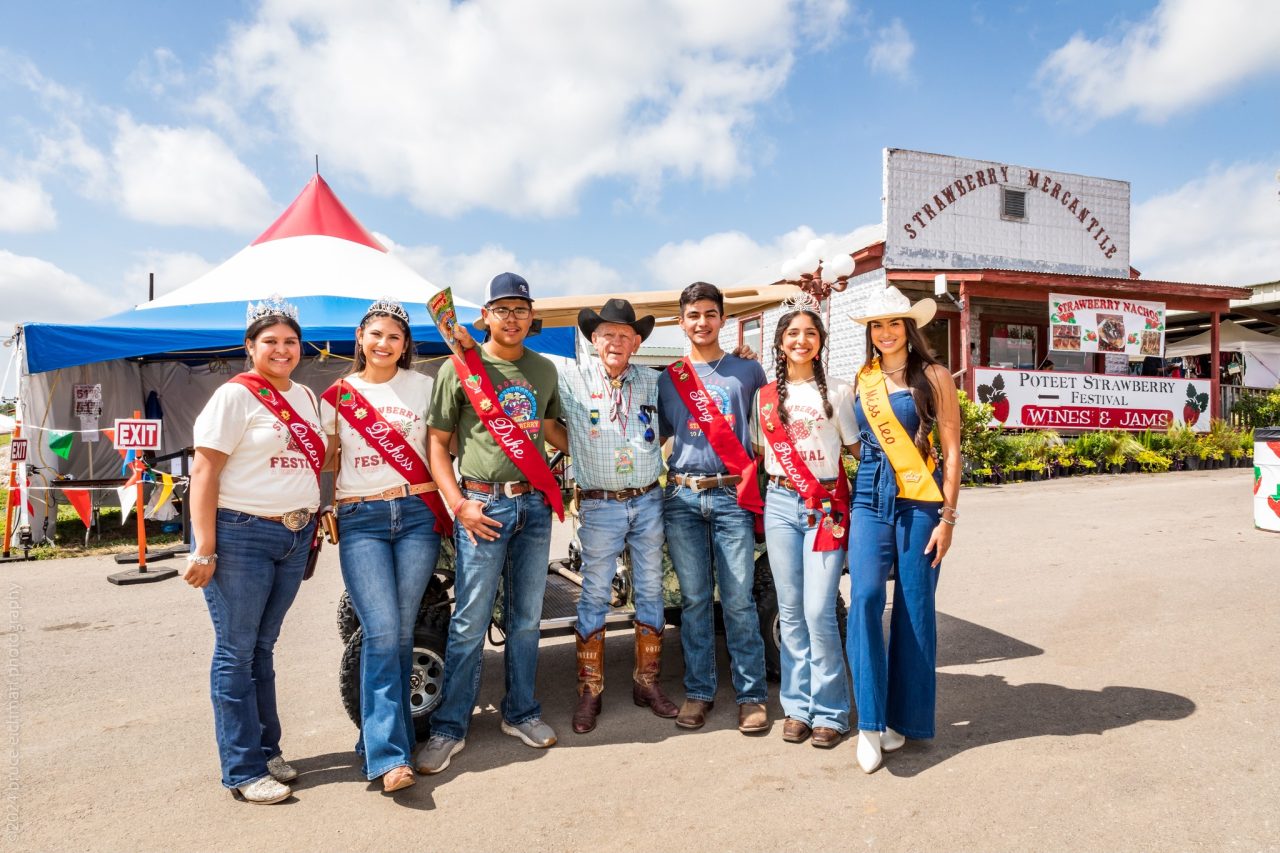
(528,391)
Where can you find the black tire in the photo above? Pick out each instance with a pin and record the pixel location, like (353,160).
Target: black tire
(427,681)
(348,621)
(770,626)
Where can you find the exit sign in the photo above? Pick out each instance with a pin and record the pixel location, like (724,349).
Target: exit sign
(18,450)
(137,434)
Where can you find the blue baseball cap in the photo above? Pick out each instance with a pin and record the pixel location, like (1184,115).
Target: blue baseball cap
(507,285)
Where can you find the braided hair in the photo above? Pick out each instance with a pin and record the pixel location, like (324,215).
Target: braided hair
(780,361)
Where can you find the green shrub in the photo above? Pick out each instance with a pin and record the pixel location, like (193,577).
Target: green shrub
(1151,460)
(1182,441)
(978,442)
(1258,409)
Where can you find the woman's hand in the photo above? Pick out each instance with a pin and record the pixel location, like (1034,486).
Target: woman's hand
(939,542)
(473,520)
(199,575)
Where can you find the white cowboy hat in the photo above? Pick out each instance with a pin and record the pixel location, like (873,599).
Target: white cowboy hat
(890,302)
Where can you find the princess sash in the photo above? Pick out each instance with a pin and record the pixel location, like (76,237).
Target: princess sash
(379,434)
(833,532)
(309,442)
(913,473)
(724,441)
(513,440)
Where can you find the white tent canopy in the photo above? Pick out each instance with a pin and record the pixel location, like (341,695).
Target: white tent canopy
(1232,337)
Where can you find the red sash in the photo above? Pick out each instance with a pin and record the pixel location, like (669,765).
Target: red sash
(513,440)
(724,441)
(309,442)
(378,432)
(833,532)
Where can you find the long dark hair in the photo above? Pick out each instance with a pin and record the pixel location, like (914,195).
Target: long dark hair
(259,326)
(406,357)
(780,361)
(919,358)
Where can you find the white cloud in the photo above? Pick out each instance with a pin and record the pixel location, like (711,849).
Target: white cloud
(511,105)
(25,206)
(1185,53)
(33,290)
(892,50)
(172,269)
(1220,228)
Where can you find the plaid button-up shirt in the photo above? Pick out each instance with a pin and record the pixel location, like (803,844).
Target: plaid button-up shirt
(612,450)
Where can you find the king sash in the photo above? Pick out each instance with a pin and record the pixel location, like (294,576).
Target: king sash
(913,473)
(309,442)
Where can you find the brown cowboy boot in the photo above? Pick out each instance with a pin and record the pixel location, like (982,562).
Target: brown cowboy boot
(590,681)
(644,689)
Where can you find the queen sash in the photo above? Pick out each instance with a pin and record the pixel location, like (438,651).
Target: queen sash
(309,442)
(833,531)
(380,435)
(913,473)
(724,441)
(513,440)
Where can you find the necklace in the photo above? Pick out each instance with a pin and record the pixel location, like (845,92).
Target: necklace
(895,370)
(712,368)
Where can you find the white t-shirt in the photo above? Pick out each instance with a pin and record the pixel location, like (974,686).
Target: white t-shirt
(817,438)
(266,473)
(403,402)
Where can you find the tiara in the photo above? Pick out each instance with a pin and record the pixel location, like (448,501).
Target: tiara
(386,305)
(802,301)
(273,306)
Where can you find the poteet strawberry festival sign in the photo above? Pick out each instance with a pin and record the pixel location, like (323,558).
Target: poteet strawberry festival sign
(1039,399)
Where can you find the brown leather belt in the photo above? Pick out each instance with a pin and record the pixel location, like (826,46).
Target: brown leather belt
(509,490)
(294,519)
(620,495)
(702,483)
(391,494)
(785,482)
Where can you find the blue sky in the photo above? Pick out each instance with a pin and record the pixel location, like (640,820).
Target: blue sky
(605,146)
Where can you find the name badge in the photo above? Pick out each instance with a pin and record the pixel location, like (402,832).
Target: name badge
(624,460)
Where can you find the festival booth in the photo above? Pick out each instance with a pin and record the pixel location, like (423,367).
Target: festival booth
(164,358)
(1259,353)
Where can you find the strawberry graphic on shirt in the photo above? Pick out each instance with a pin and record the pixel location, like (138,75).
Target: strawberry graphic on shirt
(1194,405)
(994,396)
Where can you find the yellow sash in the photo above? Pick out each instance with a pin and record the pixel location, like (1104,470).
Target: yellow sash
(913,473)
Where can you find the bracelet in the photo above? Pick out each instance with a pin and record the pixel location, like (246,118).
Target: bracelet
(945,521)
(201,561)
(459,504)
(955,513)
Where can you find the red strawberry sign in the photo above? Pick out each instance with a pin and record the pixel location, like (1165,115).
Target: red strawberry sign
(1194,405)
(994,396)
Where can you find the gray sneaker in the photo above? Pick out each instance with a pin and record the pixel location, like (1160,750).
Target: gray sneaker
(534,733)
(262,792)
(280,770)
(434,757)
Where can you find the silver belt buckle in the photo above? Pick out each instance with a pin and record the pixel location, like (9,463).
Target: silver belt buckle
(296,519)
(508,486)
(693,484)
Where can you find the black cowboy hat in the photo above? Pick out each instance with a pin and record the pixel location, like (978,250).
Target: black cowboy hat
(614,311)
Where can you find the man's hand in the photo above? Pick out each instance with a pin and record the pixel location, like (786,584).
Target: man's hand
(462,335)
(744,351)
(473,520)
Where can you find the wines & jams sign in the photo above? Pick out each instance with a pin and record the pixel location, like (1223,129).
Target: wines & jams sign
(1036,399)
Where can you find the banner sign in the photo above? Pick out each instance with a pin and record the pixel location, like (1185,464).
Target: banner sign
(137,434)
(1039,399)
(1106,325)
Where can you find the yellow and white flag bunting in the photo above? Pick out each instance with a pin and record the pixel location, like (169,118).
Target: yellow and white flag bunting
(128,496)
(166,490)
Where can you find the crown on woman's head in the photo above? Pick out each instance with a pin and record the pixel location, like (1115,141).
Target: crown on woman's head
(273,306)
(386,305)
(802,301)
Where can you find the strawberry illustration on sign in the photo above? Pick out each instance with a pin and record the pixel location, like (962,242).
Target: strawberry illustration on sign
(1194,405)
(1060,316)
(1133,338)
(994,396)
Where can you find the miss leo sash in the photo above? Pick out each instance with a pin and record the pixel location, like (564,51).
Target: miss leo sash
(513,440)
(724,441)
(380,435)
(309,442)
(833,532)
(912,471)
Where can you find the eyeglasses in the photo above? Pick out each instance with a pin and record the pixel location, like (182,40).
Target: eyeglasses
(502,312)
(647,420)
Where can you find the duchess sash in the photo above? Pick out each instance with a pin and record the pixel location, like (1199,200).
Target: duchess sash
(309,442)
(724,441)
(380,435)
(513,440)
(912,471)
(833,532)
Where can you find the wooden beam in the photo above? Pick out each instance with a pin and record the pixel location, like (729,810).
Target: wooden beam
(1255,314)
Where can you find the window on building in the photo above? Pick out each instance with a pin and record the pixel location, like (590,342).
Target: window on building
(1012,345)
(751,333)
(1013,204)
(938,334)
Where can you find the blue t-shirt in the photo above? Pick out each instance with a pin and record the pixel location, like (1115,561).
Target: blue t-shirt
(732,385)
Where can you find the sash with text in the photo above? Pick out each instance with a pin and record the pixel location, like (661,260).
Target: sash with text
(309,442)
(913,473)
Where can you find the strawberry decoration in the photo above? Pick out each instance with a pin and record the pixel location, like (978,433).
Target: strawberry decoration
(1090,335)
(1257,478)
(1194,405)
(994,396)
(1060,316)
(1275,447)
(1273,501)
(1133,337)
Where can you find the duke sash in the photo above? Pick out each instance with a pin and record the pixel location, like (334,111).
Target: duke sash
(309,442)
(724,441)
(833,531)
(513,440)
(913,473)
(379,434)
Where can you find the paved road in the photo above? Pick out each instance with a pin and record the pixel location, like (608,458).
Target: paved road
(1108,682)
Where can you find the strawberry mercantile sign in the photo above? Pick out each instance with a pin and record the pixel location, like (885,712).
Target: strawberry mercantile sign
(1045,399)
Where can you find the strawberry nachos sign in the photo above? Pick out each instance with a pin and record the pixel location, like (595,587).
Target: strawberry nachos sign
(1035,399)
(1099,324)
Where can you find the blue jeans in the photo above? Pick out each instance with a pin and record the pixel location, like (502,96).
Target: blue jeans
(712,543)
(519,557)
(388,551)
(815,689)
(259,570)
(896,687)
(606,527)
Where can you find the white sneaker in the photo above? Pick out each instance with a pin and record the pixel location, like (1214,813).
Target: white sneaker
(891,740)
(435,756)
(281,771)
(534,733)
(263,792)
(869,757)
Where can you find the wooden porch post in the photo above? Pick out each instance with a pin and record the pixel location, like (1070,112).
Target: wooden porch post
(1215,405)
(966,359)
